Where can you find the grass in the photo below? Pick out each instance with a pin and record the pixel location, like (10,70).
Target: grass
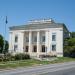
(32,62)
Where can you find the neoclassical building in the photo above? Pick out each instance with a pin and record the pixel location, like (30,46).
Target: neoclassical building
(38,37)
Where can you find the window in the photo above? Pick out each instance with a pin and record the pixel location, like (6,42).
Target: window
(15,47)
(27,39)
(53,47)
(43,48)
(54,37)
(35,39)
(43,38)
(34,48)
(16,38)
(27,47)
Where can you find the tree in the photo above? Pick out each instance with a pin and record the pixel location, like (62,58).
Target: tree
(2,50)
(71,42)
(6,47)
(72,34)
(69,47)
(1,43)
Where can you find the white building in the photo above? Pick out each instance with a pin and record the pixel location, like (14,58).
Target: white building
(38,37)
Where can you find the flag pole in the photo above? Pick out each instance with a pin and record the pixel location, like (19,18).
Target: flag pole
(5,35)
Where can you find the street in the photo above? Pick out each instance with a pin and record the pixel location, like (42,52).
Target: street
(70,71)
(67,68)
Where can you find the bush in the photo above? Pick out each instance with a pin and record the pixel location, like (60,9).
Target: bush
(1,57)
(72,51)
(6,57)
(69,51)
(21,56)
(9,57)
(69,47)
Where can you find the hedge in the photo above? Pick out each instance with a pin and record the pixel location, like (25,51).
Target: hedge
(9,57)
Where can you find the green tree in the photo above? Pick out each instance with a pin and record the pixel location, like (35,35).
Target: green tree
(2,50)
(1,43)
(6,47)
(69,47)
(72,34)
(71,42)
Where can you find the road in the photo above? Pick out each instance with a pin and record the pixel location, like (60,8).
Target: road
(70,71)
(67,68)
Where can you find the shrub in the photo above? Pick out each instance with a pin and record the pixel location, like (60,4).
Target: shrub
(26,56)
(18,57)
(9,57)
(6,57)
(69,51)
(1,55)
(72,52)
(21,56)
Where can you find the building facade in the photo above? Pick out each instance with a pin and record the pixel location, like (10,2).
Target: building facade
(38,37)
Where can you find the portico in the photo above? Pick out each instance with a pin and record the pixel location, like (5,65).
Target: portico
(35,42)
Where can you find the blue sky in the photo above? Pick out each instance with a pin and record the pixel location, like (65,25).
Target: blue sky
(20,11)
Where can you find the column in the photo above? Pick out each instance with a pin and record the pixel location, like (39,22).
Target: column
(10,42)
(46,41)
(21,42)
(38,43)
(30,42)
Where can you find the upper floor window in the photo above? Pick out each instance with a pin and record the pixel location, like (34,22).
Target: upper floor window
(53,47)
(43,38)
(53,36)
(35,39)
(15,47)
(27,39)
(16,38)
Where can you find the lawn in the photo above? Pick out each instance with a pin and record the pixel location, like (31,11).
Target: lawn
(31,62)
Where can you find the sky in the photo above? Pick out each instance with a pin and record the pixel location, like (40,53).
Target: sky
(19,12)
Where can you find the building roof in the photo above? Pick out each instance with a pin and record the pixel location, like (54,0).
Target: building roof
(40,25)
